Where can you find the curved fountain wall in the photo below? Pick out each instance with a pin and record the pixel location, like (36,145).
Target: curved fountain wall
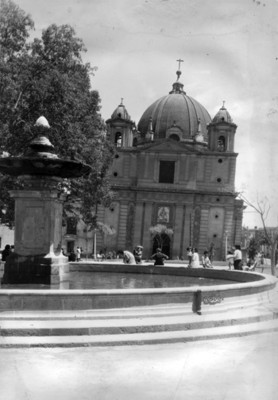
(245,285)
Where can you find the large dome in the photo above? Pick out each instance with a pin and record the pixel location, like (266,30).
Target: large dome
(175,112)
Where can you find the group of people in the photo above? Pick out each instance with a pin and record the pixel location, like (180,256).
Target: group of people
(235,260)
(75,256)
(134,257)
(159,257)
(194,259)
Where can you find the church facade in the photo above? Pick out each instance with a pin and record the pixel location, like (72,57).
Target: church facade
(176,169)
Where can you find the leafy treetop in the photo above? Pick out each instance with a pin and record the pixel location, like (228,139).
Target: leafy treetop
(47,77)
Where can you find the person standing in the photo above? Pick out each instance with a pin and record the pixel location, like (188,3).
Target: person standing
(195,259)
(78,254)
(189,256)
(262,261)
(238,258)
(6,252)
(211,252)
(230,259)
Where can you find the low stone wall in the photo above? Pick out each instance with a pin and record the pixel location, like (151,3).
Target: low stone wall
(250,286)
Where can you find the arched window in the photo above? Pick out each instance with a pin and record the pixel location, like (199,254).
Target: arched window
(221,143)
(71,226)
(118,139)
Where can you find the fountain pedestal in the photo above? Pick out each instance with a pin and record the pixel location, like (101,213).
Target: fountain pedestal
(38,210)
(38,234)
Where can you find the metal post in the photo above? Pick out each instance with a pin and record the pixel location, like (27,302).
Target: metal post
(95,244)
(226,243)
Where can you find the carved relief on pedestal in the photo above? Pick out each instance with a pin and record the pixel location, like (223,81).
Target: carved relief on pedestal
(33,228)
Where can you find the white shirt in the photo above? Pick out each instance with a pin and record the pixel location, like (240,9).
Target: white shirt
(195,261)
(238,254)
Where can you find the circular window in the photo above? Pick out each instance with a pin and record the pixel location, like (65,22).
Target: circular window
(220,160)
(115,174)
(219,180)
(216,216)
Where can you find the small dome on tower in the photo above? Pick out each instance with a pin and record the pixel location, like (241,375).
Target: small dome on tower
(120,112)
(222,115)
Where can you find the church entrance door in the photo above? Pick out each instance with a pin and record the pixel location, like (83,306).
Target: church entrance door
(163,242)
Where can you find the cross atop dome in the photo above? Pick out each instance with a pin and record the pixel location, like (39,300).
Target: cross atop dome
(179,68)
(180,61)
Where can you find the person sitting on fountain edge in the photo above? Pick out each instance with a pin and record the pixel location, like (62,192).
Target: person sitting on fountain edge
(159,257)
(138,253)
(206,261)
(129,258)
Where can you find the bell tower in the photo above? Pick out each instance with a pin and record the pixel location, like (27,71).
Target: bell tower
(221,132)
(120,127)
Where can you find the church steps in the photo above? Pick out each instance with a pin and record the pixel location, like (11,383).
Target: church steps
(104,327)
(136,324)
(140,338)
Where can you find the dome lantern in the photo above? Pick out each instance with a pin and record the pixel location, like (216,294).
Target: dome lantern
(222,115)
(121,112)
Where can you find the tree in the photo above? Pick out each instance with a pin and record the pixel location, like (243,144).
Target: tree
(14,30)
(47,77)
(253,247)
(269,236)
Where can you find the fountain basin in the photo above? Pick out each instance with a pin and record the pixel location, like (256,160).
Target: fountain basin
(248,286)
(39,166)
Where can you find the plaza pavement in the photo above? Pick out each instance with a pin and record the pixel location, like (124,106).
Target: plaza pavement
(226,369)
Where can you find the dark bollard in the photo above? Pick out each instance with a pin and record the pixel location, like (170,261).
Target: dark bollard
(197,302)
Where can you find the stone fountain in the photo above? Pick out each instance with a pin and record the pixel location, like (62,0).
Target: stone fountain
(37,257)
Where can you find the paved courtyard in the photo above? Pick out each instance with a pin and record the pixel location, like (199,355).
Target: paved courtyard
(224,369)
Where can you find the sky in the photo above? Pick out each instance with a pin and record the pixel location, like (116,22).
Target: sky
(230,52)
